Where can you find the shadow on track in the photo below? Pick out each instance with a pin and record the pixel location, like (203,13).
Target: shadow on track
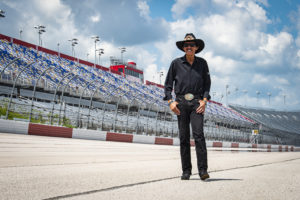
(216,179)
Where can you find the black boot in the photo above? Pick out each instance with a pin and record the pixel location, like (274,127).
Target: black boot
(203,175)
(185,176)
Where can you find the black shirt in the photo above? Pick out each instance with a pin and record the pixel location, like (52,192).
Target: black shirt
(188,78)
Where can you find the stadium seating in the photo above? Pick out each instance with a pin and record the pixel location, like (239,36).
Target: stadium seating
(285,121)
(283,124)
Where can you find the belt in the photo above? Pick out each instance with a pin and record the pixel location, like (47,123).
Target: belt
(189,96)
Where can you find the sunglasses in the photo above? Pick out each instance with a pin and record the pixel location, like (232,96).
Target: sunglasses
(189,45)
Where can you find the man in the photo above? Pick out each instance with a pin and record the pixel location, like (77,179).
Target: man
(192,86)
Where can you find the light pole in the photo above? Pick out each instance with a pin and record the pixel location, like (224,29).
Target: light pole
(73,43)
(41,29)
(221,97)
(96,39)
(100,52)
(269,94)
(284,99)
(228,93)
(21,31)
(2,13)
(58,49)
(257,94)
(160,75)
(236,92)
(226,87)
(87,57)
(123,50)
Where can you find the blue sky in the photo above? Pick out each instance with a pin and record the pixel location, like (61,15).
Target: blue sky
(161,9)
(251,45)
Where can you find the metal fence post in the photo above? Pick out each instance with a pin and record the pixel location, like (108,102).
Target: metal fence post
(33,93)
(103,113)
(172,125)
(128,109)
(14,85)
(128,115)
(54,95)
(80,100)
(14,60)
(114,124)
(90,105)
(156,121)
(102,124)
(62,95)
(116,113)
(148,119)
(137,119)
(164,126)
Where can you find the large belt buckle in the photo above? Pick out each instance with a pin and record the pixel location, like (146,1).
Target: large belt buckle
(189,96)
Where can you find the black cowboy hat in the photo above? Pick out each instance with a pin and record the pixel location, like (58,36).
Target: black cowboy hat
(189,37)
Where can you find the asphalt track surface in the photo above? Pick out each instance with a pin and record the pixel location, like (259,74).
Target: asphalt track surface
(38,167)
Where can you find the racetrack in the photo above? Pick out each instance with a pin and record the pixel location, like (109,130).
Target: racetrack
(38,167)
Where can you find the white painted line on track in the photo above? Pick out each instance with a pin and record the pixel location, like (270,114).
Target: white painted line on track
(159,180)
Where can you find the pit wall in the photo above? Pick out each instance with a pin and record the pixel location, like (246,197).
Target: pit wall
(26,128)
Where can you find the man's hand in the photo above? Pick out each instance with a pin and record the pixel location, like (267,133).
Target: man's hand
(201,108)
(173,107)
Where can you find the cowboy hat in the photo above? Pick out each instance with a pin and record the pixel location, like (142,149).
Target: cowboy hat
(189,37)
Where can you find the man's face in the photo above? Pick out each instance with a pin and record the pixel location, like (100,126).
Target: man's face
(190,48)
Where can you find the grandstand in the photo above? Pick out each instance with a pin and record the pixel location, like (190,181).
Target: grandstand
(282,125)
(42,86)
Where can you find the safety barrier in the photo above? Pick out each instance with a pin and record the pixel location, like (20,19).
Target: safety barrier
(20,127)
(17,127)
(47,130)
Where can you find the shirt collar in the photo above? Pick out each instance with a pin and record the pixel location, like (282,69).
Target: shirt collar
(183,59)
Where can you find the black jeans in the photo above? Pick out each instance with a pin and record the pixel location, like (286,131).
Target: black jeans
(188,115)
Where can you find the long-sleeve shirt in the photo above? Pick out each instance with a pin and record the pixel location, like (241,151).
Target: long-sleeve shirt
(188,78)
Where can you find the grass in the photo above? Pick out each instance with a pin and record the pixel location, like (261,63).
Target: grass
(39,119)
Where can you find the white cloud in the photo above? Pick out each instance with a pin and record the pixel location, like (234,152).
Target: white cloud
(48,8)
(143,57)
(260,79)
(256,11)
(263,79)
(55,15)
(223,32)
(143,9)
(234,31)
(180,6)
(271,50)
(220,65)
(95,18)
(227,4)
(151,73)
(281,81)
(276,44)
